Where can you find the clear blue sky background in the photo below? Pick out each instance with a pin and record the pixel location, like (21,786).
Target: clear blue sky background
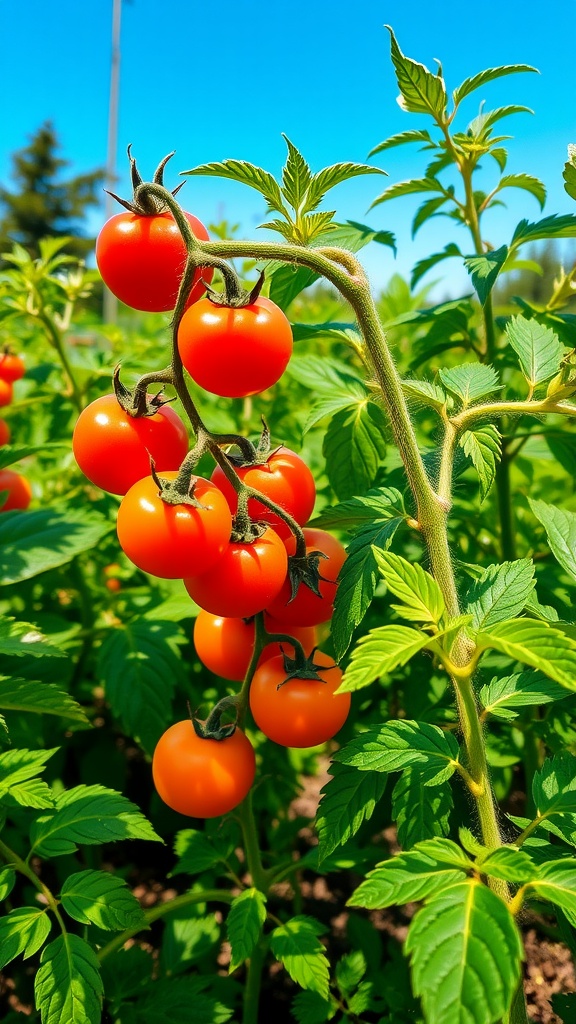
(225,79)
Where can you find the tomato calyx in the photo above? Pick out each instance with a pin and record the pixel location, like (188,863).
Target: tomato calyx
(234,296)
(305,569)
(246,531)
(136,402)
(144,204)
(176,492)
(301,666)
(254,454)
(213,728)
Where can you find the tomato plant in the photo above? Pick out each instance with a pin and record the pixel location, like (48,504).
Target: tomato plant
(200,777)
(308,608)
(285,478)
(245,579)
(141,259)
(19,490)
(298,712)
(172,541)
(4,432)
(113,449)
(235,352)
(225,645)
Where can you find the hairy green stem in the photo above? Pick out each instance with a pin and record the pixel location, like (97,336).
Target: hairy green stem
(13,860)
(251,1001)
(187,899)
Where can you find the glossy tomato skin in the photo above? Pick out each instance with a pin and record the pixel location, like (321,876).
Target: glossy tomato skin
(244,579)
(6,392)
(284,478)
(300,712)
(11,367)
(171,541)
(141,259)
(225,645)
(113,449)
(4,432)
(202,778)
(19,490)
(307,609)
(235,352)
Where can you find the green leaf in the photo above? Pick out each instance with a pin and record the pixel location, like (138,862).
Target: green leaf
(485,269)
(403,744)
(89,815)
(296,177)
(362,510)
(287,281)
(536,644)
(247,174)
(23,930)
(527,182)
(327,406)
(557,884)
(466,952)
(565,1008)
(517,691)
(412,876)
(420,811)
(32,542)
(508,863)
(333,331)
(39,699)
(348,800)
(560,526)
(470,381)
(198,852)
(170,1000)
(554,785)
(190,936)
(555,226)
(418,591)
(139,667)
(12,453)
(501,592)
(483,446)
(244,923)
(350,970)
(310,1008)
(33,793)
(426,211)
(423,266)
(296,945)
(537,347)
(569,172)
(7,882)
(334,175)
(21,639)
(489,75)
(357,580)
(327,376)
(68,987)
(354,448)
(425,392)
(414,186)
(97,897)
(380,652)
(421,92)
(413,135)
(18,766)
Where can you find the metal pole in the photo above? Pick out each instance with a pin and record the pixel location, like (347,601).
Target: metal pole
(110,305)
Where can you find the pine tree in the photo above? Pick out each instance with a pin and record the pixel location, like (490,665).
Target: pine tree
(43,204)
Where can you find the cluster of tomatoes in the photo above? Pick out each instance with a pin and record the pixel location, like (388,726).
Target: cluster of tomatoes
(236,562)
(15,486)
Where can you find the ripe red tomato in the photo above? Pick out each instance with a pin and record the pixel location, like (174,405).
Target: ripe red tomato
(113,449)
(235,352)
(225,645)
(4,432)
(11,367)
(6,392)
(284,478)
(171,541)
(142,259)
(202,777)
(244,579)
(307,609)
(300,712)
(19,490)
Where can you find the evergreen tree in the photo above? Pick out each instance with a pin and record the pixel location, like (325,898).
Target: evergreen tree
(42,204)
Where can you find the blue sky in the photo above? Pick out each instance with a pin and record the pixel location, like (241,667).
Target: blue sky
(224,80)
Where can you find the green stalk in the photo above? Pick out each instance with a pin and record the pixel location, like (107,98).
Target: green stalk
(57,341)
(505,510)
(251,1002)
(13,860)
